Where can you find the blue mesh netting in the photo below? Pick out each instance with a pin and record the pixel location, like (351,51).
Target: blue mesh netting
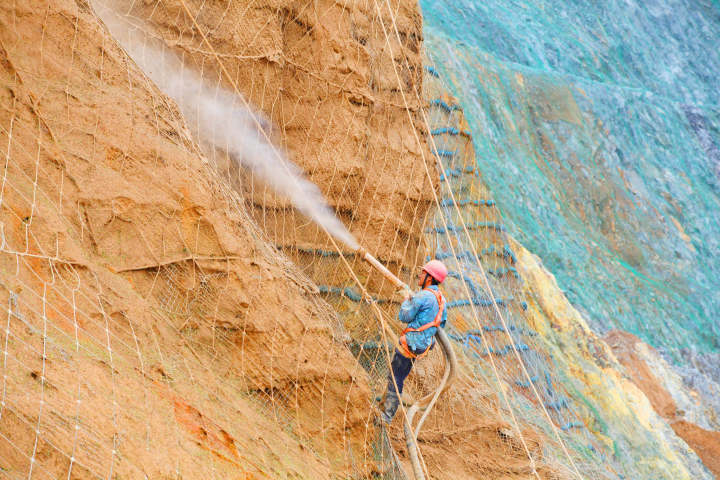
(597,128)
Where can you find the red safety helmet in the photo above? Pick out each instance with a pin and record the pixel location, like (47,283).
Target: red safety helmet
(436,269)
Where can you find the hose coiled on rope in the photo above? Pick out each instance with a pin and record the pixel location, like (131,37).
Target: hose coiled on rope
(426,404)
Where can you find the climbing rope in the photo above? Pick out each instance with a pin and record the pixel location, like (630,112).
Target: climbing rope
(496,373)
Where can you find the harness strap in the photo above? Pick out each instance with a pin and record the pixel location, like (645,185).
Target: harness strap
(405,350)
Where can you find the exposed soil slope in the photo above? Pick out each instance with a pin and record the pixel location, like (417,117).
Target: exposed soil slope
(151,331)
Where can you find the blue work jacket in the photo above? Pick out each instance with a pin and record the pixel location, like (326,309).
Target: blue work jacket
(416,312)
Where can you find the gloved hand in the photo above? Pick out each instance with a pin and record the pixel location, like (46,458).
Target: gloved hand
(406,293)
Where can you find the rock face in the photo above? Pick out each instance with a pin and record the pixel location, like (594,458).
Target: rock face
(531,339)
(342,105)
(619,397)
(604,158)
(152,330)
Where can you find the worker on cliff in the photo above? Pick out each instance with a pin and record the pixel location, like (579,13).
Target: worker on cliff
(424,312)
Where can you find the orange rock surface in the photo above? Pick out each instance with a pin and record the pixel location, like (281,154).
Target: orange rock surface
(149,328)
(706,443)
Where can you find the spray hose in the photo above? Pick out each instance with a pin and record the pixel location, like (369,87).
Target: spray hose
(426,403)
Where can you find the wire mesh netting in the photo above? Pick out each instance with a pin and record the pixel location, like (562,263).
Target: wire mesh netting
(169,315)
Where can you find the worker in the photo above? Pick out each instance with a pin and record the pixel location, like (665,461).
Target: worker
(424,312)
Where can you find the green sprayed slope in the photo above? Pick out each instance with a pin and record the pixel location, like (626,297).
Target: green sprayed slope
(597,128)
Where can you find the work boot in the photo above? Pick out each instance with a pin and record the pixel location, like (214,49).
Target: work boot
(390,407)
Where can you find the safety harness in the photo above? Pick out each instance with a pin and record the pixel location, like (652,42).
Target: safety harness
(404,349)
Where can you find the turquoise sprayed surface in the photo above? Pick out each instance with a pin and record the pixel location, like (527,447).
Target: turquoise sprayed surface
(597,128)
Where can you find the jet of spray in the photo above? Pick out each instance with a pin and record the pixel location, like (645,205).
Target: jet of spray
(218,119)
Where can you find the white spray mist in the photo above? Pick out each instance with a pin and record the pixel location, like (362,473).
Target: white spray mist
(217,118)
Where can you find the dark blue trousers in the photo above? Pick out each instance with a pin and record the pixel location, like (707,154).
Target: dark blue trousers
(399,369)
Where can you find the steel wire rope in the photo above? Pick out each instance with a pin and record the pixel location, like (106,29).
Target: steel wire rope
(46,257)
(512,289)
(427,402)
(59,347)
(41,124)
(391,248)
(44,354)
(387,354)
(512,341)
(79,381)
(143,373)
(272,389)
(88,316)
(365,183)
(92,339)
(395,237)
(386,330)
(408,415)
(296,17)
(376,190)
(516,352)
(10,406)
(435,196)
(40,466)
(476,258)
(50,260)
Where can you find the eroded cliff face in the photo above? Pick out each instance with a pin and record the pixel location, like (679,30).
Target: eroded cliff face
(338,85)
(150,331)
